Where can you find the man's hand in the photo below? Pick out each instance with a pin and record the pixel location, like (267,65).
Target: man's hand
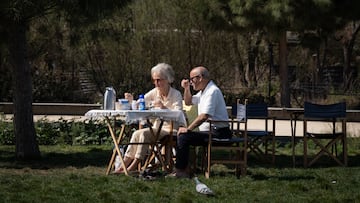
(185,83)
(182,130)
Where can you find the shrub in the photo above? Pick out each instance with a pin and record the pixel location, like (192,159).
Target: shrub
(6,131)
(67,132)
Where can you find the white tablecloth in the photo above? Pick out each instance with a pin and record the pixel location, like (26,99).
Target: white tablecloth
(130,116)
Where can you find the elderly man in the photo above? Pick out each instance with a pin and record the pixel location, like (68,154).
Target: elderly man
(211,105)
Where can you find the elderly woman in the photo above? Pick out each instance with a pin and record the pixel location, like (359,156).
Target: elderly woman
(163,96)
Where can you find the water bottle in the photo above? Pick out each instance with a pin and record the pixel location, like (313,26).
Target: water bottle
(109,98)
(117,158)
(141,102)
(117,163)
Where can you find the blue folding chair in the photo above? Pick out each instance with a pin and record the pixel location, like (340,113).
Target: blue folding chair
(260,138)
(332,113)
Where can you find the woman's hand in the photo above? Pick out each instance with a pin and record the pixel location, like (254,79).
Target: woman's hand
(158,104)
(128,96)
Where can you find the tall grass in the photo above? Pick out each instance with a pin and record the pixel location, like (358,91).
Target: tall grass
(77,174)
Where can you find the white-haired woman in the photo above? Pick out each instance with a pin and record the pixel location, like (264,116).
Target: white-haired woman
(163,96)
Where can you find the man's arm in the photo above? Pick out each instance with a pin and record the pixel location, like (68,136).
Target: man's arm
(187,92)
(198,121)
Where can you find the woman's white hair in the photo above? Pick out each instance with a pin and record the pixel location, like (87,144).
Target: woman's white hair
(165,71)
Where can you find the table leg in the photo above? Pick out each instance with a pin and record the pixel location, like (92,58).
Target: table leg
(116,143)
(293,121)
(157,151)
(168,149)
(112,160)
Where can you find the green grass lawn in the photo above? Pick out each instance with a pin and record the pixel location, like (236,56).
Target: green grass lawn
(77,174)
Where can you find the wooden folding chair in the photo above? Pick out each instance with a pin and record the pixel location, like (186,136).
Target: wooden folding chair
(160,151)
(332,113)
(236,148)
(165,149)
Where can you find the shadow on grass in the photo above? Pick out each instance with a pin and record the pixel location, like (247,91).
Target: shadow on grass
(98,156)
(281,178)
(90,156)
(284,159)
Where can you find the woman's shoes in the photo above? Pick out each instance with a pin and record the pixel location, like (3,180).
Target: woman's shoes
(121,171)
(118,171)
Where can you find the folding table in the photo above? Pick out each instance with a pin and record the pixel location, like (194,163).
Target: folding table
(295,114)
(130,117)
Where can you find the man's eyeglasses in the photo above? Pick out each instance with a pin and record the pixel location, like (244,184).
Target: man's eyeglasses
(192,78)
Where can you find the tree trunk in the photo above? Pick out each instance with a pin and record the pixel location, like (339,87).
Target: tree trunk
(283,71)
(251,66)
(253,51)
(347,38)
(25,136)
(347,77)
(240,79)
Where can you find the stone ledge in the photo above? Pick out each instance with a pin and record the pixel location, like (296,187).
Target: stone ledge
(53,108)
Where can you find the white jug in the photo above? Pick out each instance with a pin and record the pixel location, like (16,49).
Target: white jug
(109,98)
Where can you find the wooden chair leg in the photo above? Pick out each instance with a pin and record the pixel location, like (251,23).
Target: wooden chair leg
(208,156)
(305,151)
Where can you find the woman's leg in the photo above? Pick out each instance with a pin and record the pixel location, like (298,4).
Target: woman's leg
(134,164)
(130,152)
(145,136)
(127,162)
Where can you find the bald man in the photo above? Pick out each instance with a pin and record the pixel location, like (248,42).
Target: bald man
(211,105)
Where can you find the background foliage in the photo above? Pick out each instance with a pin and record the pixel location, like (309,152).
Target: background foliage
(72,63)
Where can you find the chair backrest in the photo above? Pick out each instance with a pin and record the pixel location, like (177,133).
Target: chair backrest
(320,111)
(259,110)
(234,108)
(242,111)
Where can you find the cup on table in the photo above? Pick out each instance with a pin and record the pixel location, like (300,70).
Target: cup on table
(134,105)
(122,104)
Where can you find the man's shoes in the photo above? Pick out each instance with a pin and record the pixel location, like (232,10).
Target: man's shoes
(178,174)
